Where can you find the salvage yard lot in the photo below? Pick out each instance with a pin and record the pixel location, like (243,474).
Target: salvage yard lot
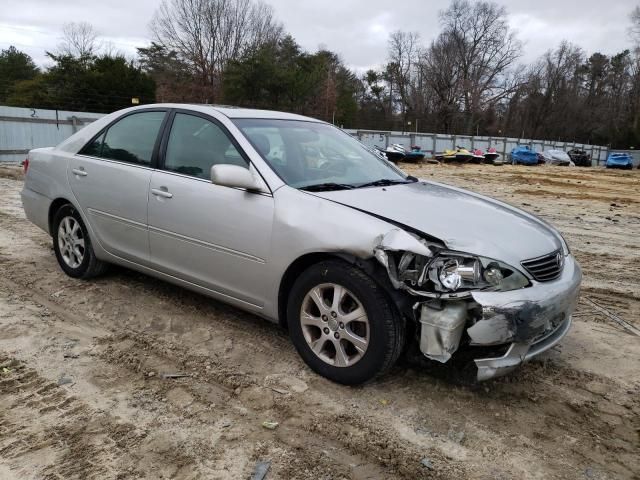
(82,363)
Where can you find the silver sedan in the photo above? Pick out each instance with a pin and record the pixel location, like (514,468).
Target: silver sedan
(294,220)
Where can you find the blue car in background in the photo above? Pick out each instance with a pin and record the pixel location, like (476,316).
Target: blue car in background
(620,160)
(524,155)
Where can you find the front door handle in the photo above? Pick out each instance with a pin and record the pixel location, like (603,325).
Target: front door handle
(161,192)
(80,172)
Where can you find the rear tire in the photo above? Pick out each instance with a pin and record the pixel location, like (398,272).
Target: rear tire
(72,245)
(343,324)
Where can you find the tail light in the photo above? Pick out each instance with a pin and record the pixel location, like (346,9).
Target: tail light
(25,165)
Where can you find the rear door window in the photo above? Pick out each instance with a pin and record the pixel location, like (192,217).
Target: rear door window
(94,148)
(130,139)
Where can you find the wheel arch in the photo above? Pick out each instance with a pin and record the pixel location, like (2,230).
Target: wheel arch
(370,266)
(53,208)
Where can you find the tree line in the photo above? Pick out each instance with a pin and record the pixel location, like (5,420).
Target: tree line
(84,76)
(469,80)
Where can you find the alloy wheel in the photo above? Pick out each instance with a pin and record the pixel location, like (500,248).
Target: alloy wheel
(335,324)
(71,242)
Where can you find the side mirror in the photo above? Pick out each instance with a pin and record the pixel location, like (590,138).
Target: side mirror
(234,176)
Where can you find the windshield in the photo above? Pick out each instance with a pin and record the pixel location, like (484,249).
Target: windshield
(310,155)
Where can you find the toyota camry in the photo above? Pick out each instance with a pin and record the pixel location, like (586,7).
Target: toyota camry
(296,221)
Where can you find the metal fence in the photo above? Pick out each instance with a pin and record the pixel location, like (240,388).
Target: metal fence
(22,129)
(435,142)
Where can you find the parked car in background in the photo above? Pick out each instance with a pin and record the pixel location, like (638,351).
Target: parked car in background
(580,157)
(556,157)
(619,160)
(523,155)
(296,221)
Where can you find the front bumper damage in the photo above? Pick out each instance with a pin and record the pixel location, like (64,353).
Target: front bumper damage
(532,320)
(525,321)
(520,353)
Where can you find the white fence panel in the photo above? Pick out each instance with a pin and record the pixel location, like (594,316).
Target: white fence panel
(463,141)
(499,144)
(404,140)
(511,144)
(426,142)
(444,142)
(22,129)
(371,139)
(481,143)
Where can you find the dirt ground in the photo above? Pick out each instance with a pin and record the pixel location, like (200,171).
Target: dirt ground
(83,393)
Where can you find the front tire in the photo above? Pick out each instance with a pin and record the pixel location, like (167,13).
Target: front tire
(343,324)
(72,245)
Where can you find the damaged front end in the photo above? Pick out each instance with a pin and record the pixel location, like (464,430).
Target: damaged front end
(465,299)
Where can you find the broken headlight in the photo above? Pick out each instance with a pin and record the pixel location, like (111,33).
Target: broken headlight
(454,273)
(449,272)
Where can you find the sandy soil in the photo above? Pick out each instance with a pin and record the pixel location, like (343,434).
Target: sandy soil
(83,393)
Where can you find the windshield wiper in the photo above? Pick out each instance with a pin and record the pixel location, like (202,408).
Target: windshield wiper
(323,187)
(385,182)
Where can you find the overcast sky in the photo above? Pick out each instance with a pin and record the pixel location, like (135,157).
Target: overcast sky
(355,29)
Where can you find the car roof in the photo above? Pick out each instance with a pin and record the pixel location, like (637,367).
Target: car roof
(233,112)
(75,142)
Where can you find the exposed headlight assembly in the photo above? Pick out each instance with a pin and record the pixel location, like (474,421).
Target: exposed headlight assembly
(454,273)
(451,273)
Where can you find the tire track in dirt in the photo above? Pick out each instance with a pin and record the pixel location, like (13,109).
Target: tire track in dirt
(395,459)
(302,425)
(236,401)
(82,443)
(165,405)
(144,341)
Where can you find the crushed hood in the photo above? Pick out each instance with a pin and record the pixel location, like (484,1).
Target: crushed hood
(461,219)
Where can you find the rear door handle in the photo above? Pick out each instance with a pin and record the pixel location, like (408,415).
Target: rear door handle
(161,192)
(80,172)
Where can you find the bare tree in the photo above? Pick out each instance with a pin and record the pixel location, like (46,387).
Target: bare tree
(442,74)
(109,49)
(634,30)
(207,34)
(485,48)
(79,40)
(559,105)
(403,51)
